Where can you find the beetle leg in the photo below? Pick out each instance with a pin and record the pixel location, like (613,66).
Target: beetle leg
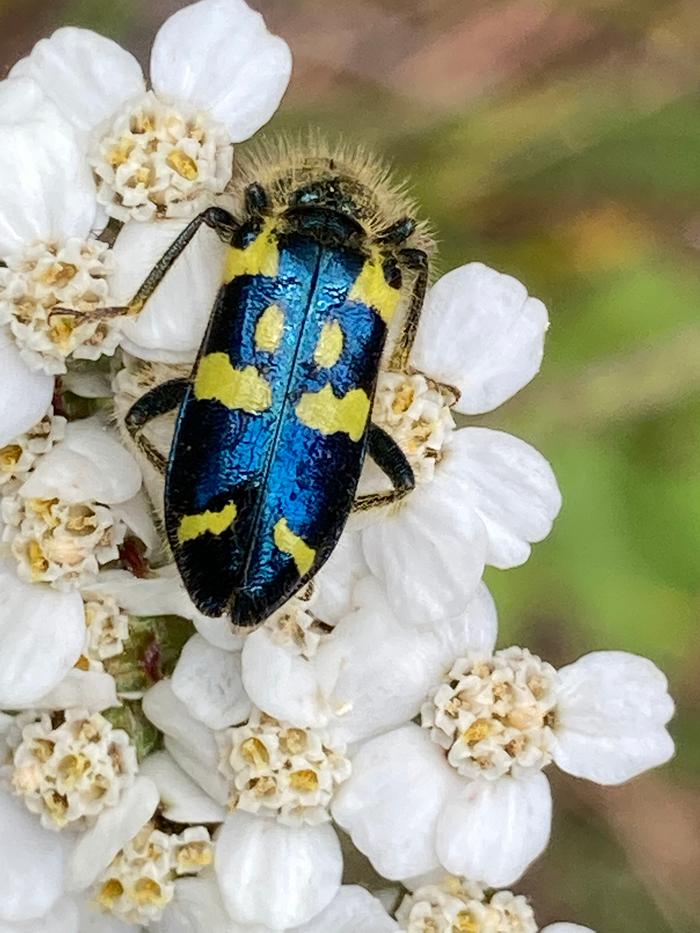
(398,232)
(215,217)
(390,459)
(157,401)
(416,260)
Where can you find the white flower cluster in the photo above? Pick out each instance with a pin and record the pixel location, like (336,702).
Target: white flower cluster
(140,881)
(282,770)
(157,160)
(493,716)
(72,771)
(158,769)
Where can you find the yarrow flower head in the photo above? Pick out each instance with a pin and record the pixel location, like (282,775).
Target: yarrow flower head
(457,905)
(282,770)
(217,75)
(140,881)
(70,772)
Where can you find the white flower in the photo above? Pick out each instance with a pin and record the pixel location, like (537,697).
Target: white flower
(282,770)
(469,794)
(270,873)
(47,210)
(18,458)
(141,880)
(64,521)
(71,772)
(451,903)
(482,497)
(217,76)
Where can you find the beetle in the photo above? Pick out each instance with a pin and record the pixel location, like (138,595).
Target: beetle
(273,424)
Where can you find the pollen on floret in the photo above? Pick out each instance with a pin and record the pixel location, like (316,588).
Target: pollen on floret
(57,542)
(45,278)
(158,160)
(493,715)
(456,905)
(282,770)
(140,881)
(70,772)
(416,413)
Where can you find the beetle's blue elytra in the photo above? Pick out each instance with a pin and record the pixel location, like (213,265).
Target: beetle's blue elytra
(274,422)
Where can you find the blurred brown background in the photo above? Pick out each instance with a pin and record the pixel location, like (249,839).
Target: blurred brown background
(560,142)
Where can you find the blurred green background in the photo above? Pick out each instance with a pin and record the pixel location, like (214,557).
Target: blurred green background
(559,142)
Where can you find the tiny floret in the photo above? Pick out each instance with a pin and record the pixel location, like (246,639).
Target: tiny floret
(158,160)
(141,880)
(494,715)
(69,773)
(279,770)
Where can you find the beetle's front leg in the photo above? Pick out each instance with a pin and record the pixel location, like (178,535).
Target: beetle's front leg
(391,460)
(416,260)
(217,218)
(159,400)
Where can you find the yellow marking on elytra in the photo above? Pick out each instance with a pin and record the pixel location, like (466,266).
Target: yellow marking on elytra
(192,526)
(269,329)
(371,288)
(292,544)
(260,257)
(243,389)
(330,345)
(329,414)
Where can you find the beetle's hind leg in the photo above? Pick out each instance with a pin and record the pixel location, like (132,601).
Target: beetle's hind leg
(159,400)
(217,218)
(415,260)
(390,459)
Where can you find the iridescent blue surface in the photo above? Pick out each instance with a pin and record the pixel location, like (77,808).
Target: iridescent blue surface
(270,464)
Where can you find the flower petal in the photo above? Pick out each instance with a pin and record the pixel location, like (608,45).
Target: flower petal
(281,683)
(42,633)
(46,188)
(219,55)
(491,830)
(611,711)
(114,827)
(197,907)
(480,333)
(391,803)
(62,918)
(90,690)
(26,394)
(565,928)
(515,491)
(175,318)
(94,920)
(182,800)
(351,910)
(430,551)
(87,76)
(375,671)
(22,99)
(188,740)
(273,874)
(208,681)
(475,629)
(88,465)
(335,582)
(31,880)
